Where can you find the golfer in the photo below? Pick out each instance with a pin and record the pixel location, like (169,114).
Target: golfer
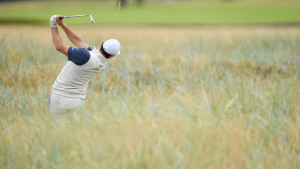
(69,89)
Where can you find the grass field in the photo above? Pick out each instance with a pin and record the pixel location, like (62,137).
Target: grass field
(186,97)
(157,13)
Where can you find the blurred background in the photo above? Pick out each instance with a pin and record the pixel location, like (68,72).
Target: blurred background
(155,12)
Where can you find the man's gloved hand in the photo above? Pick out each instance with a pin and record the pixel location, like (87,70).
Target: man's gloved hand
(53,22)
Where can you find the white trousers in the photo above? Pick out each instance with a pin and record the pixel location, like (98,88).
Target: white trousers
(58,103)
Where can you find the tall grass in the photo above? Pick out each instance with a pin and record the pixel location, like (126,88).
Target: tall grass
(176,99)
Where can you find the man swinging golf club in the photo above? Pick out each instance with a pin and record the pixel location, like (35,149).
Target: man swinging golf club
(69,89)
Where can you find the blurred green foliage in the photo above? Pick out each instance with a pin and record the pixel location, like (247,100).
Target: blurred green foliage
(154,12)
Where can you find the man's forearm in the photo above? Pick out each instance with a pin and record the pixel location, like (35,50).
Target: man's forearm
(73,37)
(57,41)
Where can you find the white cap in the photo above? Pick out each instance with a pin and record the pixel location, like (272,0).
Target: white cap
(112,47)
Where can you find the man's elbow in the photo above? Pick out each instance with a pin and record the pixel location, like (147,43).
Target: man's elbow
(58,47)
(62,48)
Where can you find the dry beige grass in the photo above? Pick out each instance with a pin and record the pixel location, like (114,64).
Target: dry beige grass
(130,33)
(182,97)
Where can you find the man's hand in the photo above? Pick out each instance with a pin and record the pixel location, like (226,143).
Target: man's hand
(60,22)
(53,22)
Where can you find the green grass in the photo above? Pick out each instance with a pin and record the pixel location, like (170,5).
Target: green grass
(175,98)
(194,12)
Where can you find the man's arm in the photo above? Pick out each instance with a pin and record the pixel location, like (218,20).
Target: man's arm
(57,41)
(73,37)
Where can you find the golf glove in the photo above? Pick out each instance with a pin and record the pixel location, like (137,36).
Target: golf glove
(53,22)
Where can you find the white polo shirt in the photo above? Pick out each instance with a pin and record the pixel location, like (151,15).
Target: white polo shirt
(73,79)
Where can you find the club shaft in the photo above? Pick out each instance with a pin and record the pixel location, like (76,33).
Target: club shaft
(62,17)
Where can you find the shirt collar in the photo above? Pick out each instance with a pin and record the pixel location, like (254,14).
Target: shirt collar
(101,57)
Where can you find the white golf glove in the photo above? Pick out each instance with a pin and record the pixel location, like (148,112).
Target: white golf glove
(53,22)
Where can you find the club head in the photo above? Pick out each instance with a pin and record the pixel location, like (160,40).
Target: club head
(92,19)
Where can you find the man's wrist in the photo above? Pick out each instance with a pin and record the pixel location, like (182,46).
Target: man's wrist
(62,25)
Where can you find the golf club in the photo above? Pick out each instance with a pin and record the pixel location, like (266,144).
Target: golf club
(63,17)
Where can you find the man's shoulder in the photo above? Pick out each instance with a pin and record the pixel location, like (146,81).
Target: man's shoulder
(79,50)
(96,62)
(79,56)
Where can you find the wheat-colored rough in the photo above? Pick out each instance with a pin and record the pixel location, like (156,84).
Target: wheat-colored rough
(181,97)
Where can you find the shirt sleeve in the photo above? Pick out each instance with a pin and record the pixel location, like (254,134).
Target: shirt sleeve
(79,56)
